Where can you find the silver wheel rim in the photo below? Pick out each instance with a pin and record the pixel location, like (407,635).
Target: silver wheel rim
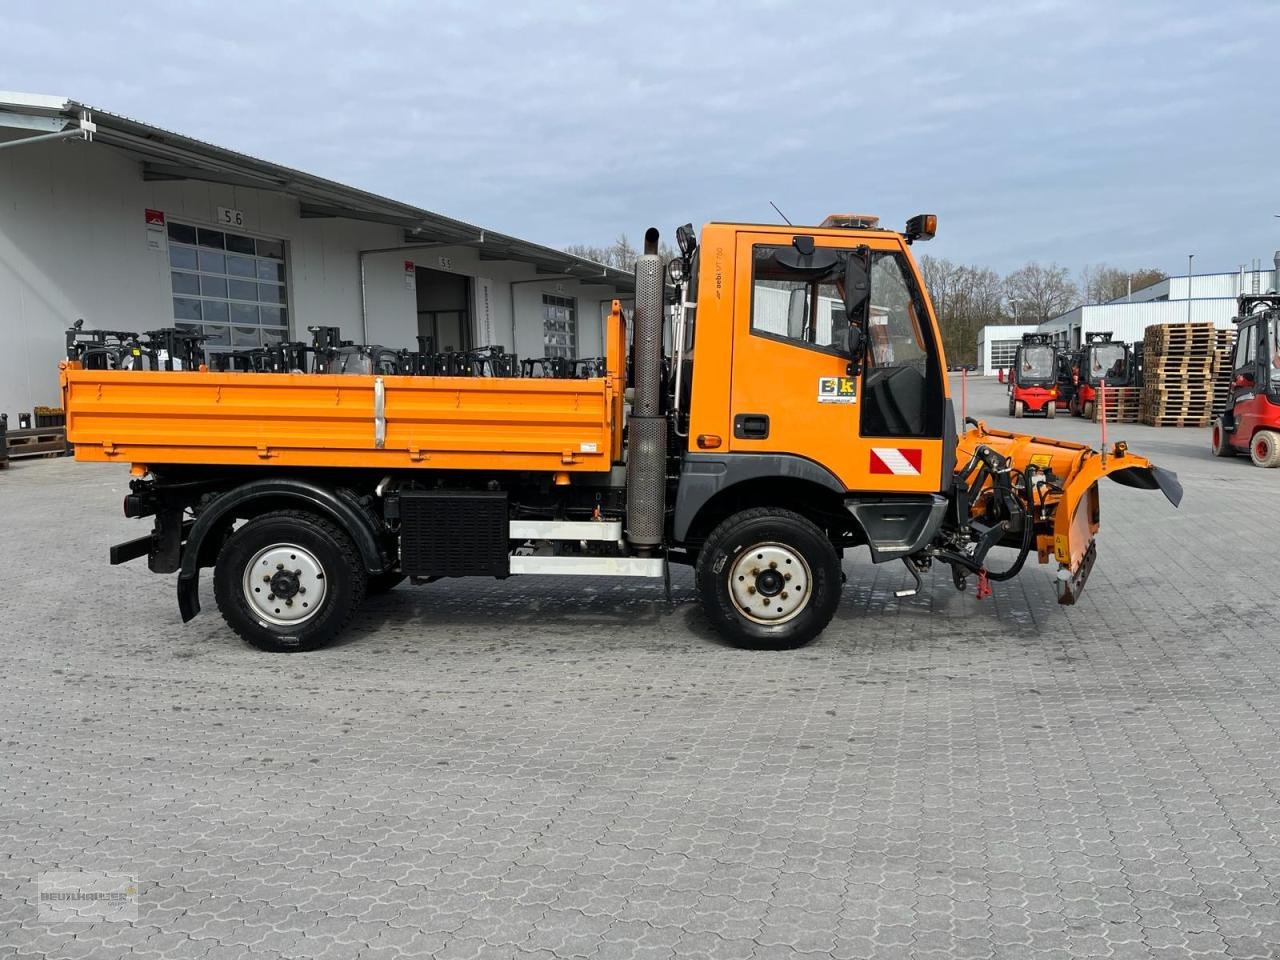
(770,583)
(284,584)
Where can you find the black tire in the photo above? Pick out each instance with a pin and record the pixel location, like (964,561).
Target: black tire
(320,545)
(772,533)
(380,583)
(1219,441)
(1087,410)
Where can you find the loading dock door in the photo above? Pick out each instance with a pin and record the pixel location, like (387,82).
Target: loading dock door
(444,309)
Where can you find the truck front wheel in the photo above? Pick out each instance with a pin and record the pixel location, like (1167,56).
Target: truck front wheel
(288,581)
(768,579)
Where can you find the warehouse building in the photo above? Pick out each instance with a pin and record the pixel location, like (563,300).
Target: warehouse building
(997,343)
(132,227)
(1202,298)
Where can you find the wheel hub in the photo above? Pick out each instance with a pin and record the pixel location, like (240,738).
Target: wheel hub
(769,583)
(284,584)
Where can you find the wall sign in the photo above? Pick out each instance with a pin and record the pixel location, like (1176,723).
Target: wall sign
(446,263)
(155,229)
(227,217)
(410,275)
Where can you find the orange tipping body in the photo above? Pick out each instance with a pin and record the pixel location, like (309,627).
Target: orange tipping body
(334,420)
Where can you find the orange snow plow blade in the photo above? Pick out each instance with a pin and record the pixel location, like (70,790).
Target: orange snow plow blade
(1066,509)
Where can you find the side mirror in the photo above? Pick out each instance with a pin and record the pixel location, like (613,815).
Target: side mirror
(857,294)
(857,285)
(797,313)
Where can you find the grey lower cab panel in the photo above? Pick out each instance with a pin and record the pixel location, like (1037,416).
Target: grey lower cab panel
(577,566)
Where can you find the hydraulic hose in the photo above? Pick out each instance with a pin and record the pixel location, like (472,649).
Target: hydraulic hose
(1028,533)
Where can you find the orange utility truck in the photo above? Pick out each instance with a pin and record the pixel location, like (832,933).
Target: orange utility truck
(802,411)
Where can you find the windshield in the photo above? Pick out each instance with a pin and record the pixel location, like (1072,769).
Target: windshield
(1106,359)
(1037,362)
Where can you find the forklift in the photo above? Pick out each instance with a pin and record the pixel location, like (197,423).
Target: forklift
(1033,379)
(1100,361)
(1251,421)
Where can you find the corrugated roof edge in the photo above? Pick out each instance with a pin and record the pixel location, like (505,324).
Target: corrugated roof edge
(167,146)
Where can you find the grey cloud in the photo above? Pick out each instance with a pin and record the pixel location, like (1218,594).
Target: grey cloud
(1077,132)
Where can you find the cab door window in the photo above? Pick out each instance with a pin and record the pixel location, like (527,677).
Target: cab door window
(902,380)
(802,306)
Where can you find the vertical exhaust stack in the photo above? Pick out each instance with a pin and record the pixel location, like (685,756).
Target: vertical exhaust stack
(647,428)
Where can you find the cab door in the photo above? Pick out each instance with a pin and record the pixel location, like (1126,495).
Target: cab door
(792,391)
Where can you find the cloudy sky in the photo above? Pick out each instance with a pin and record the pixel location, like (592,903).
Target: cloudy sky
(1127,132)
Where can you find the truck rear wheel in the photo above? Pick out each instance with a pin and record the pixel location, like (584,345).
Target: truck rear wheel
(1019,408)
(1265,448)
(1087,410)
(1220,442)
(288,581)
(1050,410)
(768,579)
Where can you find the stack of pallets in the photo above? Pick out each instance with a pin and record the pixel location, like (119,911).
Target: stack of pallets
(1123,405)
(1180,363)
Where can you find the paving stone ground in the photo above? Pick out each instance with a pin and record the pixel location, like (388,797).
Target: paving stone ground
(561,769)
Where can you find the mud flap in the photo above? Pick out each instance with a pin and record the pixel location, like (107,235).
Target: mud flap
(189,597)
(1070,585)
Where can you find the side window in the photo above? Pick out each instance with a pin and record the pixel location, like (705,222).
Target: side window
(895,336)
(1245,345)
(902,394)
(801,306)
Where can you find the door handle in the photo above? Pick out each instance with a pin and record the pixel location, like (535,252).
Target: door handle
(751,426)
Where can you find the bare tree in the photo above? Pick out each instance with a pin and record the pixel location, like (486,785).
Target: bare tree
(1101,283)
(1042,292)
(965,298)
(620,254)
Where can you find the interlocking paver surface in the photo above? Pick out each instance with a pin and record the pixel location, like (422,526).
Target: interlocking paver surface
(557,769)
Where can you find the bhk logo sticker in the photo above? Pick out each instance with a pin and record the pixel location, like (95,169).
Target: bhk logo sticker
(837,390)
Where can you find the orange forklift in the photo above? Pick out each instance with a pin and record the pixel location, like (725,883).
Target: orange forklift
(802,412)
(1033,378)
(1251,422)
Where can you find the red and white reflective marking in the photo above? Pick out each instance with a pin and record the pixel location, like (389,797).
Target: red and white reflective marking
(899,461)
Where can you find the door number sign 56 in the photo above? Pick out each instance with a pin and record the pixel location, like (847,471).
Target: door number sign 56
(227,217)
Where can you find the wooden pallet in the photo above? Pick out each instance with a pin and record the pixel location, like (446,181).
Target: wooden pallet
(1177,421)
(48,442)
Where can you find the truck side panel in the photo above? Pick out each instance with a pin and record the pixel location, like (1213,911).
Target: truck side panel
(310,420)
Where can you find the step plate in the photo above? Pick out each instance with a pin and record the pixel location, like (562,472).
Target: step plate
(589,566)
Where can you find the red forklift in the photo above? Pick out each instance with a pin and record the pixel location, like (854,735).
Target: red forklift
(1251,421)
(1101,360)
(1033,378)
